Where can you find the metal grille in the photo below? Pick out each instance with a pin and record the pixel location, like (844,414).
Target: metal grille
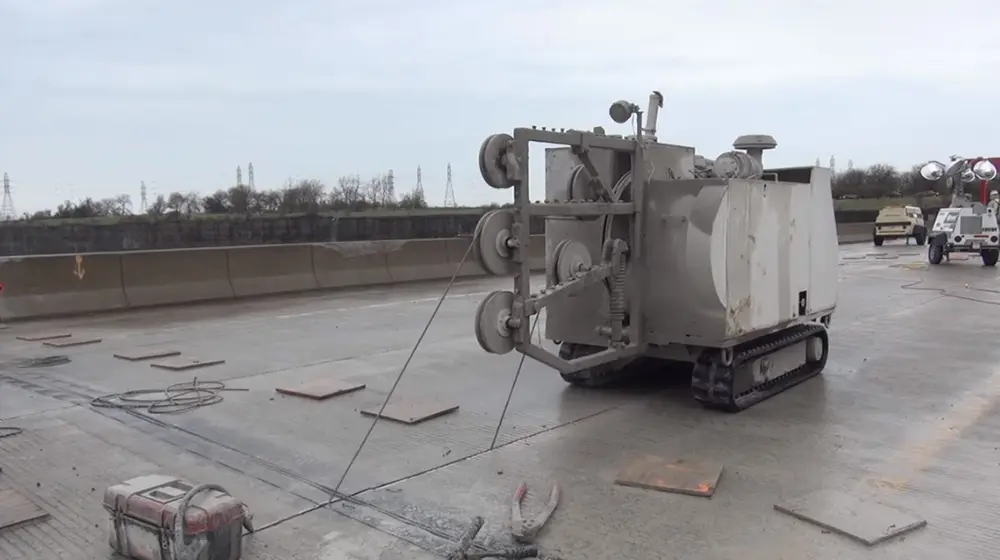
(971,225)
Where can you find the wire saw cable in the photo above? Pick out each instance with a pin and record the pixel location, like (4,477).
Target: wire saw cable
(335,495)
(399,377)
(179,397)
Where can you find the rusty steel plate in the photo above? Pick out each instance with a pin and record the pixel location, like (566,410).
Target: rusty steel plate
(410,411)
(321,389)
(867,522)
(70,342)
(39,337)
(16,509)
(681,476)
(182,364)
(139,355)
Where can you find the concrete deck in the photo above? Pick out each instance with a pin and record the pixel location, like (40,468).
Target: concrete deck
(905,414)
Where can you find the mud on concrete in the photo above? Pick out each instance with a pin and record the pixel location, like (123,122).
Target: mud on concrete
(905,414)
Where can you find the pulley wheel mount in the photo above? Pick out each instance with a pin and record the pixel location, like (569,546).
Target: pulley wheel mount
(572,258)
(580,184)
(491,322)
(491,164)
(491,249)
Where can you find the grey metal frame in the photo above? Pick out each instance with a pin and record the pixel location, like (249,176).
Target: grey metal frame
(525,304)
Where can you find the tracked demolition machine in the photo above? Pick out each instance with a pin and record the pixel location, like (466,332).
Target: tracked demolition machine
(967,226)
(654,254)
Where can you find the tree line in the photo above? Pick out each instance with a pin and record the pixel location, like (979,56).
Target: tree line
(352,193)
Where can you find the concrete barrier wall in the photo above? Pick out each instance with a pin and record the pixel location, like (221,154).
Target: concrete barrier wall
(64,284)
(274,269)
(41,286)
(165,277)
(854,233)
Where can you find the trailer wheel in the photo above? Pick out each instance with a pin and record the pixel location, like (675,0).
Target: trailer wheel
(878,241)
(920,237)
(934,254)
(989,256)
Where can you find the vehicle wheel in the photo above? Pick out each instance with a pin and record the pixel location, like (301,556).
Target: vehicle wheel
(878,241)
(920,237)
(934,254)
(989,256)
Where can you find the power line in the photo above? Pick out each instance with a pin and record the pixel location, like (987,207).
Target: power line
(7,210)
(449,192)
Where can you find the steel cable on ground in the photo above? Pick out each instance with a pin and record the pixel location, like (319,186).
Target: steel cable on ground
(513,385)
(7,431)
(336,489)
(179,397)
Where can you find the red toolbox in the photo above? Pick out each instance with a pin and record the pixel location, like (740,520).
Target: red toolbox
(143,520)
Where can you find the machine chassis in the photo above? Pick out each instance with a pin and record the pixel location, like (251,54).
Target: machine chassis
(503,318)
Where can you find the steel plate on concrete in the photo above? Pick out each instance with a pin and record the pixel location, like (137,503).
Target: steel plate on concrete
(182,364)
(411,412)
(139,355)
(864,521)
(70,342)
(15,509)
(38,337)
(683,476)
(321,389)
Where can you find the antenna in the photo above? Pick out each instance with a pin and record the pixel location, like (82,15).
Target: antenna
(250,182)
(7,210)
(449,191)
(142,197)
(239,176)
(419,189)
(833,164)
(390,187)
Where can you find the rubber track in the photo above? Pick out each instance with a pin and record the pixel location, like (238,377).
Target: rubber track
(712,383)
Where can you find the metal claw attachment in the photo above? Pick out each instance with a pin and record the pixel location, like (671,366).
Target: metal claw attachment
(525,530)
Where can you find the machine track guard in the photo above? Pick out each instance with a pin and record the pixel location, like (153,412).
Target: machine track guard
(502,240)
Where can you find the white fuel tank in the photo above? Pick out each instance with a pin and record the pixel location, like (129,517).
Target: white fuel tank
(729,260)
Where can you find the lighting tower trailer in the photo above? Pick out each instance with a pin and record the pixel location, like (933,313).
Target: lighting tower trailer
(967,226)
(655,253)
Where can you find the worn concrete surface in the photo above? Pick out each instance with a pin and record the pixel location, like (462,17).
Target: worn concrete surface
(905,414)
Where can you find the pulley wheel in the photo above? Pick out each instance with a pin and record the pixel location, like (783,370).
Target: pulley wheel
(491,165)
(570,258)
(477,255)
(579,184)
(491,250)
(491,322)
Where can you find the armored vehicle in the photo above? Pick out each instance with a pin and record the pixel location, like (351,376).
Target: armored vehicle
(656,253)
(900,222)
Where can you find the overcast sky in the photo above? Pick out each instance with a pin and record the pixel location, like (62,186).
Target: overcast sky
(98,95)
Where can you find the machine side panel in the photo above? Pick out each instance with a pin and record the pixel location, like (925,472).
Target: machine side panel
(739,258)
(799,235)
(575,318)
(823,249)
(686,236)
(768,260)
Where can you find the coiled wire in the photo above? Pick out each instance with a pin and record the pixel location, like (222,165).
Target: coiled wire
(179,397)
